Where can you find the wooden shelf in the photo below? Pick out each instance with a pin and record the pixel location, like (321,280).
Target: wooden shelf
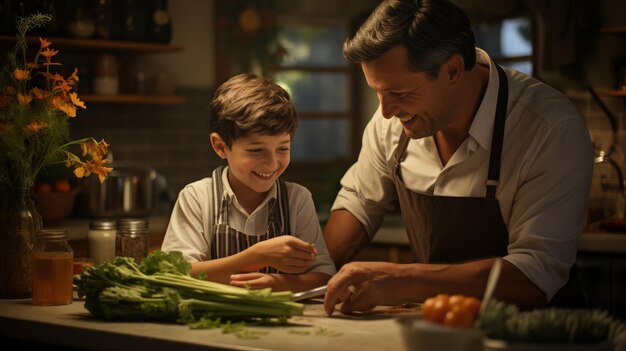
(135,99)
(613,93)
(100,44)
(613,30)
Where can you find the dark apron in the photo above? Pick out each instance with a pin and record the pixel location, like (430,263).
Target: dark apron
(227,241)
(448,229)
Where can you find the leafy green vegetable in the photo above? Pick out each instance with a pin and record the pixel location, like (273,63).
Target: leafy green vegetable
(550,325)
(161,289)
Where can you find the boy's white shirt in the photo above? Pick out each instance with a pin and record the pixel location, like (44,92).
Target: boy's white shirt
(190,228)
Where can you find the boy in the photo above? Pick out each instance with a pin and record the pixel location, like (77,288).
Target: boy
(244,225)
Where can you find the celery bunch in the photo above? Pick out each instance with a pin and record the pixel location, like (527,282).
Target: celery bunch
(161,289)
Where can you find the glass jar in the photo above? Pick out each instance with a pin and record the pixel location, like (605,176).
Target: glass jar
(101,240)
(105,81)
(133,238)
(52,268)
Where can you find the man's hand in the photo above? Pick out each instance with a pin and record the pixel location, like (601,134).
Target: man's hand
(286,253)
(361,286)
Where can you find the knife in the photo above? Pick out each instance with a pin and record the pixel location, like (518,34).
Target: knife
(311,293)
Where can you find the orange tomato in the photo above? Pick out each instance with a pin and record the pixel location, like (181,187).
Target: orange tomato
(427,308)
(43,187)
(452,310)
(472,304)
(458,317)
(62,186)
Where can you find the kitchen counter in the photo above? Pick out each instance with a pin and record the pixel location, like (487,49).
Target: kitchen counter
(72,326)
(393,233)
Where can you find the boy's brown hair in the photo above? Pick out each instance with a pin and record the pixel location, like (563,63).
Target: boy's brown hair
(248,103)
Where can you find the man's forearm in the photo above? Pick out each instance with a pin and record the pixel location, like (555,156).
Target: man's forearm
(344,236)
(470,278)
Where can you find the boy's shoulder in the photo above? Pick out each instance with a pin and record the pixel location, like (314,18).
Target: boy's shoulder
(297,190)
(199,186)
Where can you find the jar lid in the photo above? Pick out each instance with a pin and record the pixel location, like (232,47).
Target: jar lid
(103,224)
(52,234)
(132,224)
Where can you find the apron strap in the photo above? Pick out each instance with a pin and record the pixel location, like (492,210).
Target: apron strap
(218,189)
(493,178)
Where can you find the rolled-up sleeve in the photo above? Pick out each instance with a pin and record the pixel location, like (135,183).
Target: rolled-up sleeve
(367,190)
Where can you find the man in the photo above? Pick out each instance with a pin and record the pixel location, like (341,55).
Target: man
(485,162)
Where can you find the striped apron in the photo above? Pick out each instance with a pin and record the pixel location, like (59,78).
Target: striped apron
(227,241)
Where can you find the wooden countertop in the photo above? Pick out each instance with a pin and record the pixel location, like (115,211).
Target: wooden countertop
(73,326)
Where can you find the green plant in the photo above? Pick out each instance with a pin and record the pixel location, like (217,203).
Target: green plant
(36,102)
(162,289)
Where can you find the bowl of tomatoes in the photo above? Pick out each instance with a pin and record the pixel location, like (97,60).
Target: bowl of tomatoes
(445,323)
(54,200)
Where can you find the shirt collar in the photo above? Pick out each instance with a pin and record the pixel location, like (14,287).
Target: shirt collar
(481,128)
(232,199)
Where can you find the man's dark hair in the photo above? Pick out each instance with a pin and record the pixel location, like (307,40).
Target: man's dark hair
(431,30)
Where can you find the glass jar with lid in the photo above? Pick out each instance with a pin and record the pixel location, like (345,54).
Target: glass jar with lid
(133,238)
(101,240)
(52,268)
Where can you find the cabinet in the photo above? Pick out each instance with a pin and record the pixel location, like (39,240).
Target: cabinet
(603,278)
(621,75)
(86,51)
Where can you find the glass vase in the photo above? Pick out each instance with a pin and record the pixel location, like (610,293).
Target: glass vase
(19,222)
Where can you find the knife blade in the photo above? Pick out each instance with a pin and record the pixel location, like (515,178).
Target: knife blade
(311,293)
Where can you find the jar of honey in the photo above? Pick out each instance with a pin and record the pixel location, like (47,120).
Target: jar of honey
(52,268)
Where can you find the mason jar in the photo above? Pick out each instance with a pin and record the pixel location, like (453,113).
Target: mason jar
(52,268)
(101,240)
(133,238)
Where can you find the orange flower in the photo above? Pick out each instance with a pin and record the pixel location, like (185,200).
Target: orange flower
(49,53)
(24,100)
(64,106)
(74,76)
(40,94)
(44,43)
(97,150)
(76,101)
(21,74)
(35,126)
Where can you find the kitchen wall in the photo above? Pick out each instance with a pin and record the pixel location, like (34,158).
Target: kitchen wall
(173,138)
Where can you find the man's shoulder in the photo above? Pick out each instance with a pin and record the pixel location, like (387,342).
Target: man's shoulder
(541,100)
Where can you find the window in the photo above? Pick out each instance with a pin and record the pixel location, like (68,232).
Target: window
(508,41)
(309,37)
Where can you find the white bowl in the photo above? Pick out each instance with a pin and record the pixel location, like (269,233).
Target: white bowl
(421,335)
(500,345)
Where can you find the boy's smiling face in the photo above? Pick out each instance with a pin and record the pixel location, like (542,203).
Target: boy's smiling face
(255,161)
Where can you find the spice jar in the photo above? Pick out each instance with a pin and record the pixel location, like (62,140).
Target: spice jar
(106,75)
(52,268)
(133,238)
(101,240)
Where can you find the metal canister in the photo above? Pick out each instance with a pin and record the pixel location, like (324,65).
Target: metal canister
(133,238)
(52,268)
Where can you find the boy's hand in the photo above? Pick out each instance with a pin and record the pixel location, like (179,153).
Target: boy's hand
(255,280)
(286,253)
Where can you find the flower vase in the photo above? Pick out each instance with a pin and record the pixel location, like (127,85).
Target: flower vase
(19,222)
